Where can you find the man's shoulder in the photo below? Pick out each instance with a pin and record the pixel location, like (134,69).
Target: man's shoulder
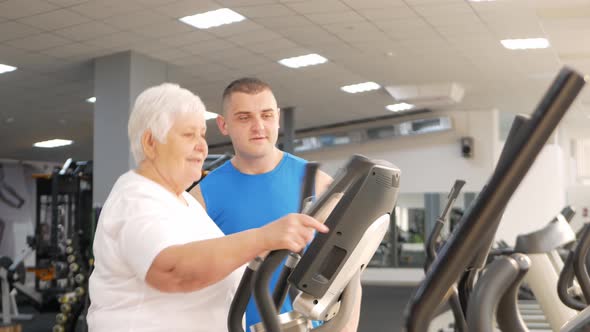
(295,158)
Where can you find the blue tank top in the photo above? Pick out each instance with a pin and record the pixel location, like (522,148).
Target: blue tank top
(238,202)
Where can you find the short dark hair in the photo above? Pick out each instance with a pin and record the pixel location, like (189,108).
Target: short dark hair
(248,85)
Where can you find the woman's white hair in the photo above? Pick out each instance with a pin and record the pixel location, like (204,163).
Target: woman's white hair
(155,110)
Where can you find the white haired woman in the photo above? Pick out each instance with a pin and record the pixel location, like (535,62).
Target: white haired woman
(160,262)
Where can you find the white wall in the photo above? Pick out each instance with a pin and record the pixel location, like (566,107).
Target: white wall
(565,140)
(577,194)
(430,162)
(411,200)
(540,196)
(579,198)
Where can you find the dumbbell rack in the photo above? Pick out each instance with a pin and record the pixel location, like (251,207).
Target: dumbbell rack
(63,242)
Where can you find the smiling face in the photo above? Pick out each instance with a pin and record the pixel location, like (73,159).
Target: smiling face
(180,159)
(252,123)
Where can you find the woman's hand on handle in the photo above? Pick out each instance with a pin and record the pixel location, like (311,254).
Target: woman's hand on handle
(292,232)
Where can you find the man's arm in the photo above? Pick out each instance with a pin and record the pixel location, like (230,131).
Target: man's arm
(322,182)
(198,195)
(353,323)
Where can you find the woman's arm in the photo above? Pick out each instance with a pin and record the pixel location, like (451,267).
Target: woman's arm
(196,265)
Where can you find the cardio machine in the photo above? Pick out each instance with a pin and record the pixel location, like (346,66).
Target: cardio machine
(473,237)
(356,208)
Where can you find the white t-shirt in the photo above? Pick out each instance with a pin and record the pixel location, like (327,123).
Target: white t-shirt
(139,219)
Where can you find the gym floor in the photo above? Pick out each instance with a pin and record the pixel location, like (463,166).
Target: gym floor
(42,321)
(382,311)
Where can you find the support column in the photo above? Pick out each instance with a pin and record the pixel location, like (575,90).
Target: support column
(118,79)
(288,115)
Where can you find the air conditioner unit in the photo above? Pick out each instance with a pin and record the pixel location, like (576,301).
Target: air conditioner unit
(427,94)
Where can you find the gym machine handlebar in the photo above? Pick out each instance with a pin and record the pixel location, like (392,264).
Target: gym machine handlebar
(307,193)
(440,222)
(467,281)
(496,292)
(566,278)
(356,208)
(507,312)
(242,296)
(454,302)
(244,291)
(579,260)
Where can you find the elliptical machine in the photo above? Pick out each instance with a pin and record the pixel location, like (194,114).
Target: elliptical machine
(475,233)
(356,208)
(546,265)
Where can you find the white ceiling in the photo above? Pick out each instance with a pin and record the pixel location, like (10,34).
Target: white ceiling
(390,42)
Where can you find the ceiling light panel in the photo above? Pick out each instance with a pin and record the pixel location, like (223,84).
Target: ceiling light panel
(212,18)
(303,61)
(6,68)
(525,44)
(53,143)
(360,87)
(399,107)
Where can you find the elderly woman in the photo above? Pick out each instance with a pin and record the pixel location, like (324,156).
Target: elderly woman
(161,264)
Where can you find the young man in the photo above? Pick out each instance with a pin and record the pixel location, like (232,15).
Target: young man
(260,183)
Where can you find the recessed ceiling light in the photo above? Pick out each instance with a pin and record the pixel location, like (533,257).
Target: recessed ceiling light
(360,87)
(210,115)
(212,18)
(399,107)
(303,61)
(525,44)
(6,68)
(91,100)
(53,143)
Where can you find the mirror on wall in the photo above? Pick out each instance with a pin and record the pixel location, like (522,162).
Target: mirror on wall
(411,222)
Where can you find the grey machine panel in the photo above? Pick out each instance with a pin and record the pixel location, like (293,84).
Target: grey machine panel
(556,234)
(374,188)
